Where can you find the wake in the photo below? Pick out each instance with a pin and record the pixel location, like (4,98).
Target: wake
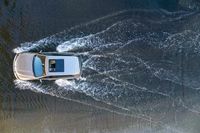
(132,64)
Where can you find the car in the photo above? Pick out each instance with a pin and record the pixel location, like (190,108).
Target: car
(46,66)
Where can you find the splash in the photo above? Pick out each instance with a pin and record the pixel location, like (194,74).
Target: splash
(64,82)
(38,45)
(24,85)
(62,37)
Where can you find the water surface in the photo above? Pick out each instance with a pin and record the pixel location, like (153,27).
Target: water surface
(140,66)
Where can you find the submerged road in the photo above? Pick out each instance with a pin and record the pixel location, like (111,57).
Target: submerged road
(140,66)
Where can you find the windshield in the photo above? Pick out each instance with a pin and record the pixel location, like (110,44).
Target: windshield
(38,66)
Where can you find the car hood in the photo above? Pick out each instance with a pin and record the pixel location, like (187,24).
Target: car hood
(23,66)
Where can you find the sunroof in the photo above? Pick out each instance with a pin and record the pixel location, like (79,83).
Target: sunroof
(56,65)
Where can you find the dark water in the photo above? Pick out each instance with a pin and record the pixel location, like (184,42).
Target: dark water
(140,66)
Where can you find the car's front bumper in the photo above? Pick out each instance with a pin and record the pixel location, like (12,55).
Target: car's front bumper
(14,66)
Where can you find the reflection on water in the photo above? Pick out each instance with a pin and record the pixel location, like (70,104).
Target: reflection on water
(140,67)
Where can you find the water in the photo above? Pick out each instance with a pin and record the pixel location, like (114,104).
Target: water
(140,67)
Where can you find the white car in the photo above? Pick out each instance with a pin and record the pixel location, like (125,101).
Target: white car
(46,66)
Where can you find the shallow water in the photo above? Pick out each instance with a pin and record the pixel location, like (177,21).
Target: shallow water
(140,67)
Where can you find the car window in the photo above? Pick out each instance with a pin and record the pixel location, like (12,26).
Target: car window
(37,66)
